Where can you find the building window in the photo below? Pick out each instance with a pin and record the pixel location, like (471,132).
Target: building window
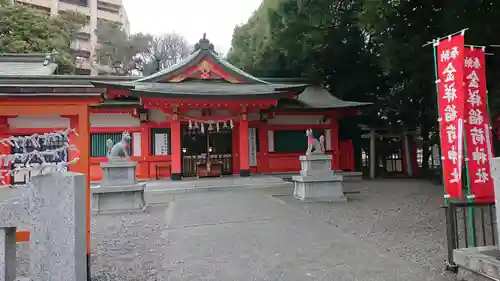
(292,141)
(98,143)
(160,141)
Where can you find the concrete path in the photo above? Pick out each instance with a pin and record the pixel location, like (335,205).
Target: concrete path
(238,235)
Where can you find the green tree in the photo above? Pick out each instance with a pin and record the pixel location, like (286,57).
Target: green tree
(117,53)
(25,30)
(400,28)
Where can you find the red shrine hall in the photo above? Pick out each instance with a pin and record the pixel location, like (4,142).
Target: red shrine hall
(202,117)
(213,119)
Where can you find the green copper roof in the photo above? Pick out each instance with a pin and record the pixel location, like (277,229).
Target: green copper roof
(215,90)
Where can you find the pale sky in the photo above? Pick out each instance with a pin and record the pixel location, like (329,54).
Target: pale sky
(191,18)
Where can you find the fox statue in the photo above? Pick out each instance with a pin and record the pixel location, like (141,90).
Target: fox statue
(120,149)
(314,145)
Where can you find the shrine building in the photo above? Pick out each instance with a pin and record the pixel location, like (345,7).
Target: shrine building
(200,117)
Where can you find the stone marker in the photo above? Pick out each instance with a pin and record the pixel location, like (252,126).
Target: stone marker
(55,210)
(58,227)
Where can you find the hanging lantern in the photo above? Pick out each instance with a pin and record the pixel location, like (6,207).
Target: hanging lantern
(190,126)
(202,127)
(210,128)
(217,126)
(225,125)
(231,122)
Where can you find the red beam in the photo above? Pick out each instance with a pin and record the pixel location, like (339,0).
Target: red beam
(168,103)
(112,110)
(108,130)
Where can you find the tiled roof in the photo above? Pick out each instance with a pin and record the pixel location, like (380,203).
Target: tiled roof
(318,97)
(26,64)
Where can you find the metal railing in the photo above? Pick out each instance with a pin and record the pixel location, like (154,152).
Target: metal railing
(469,224)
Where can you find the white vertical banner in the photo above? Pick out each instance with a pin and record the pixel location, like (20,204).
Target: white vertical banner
(328,139)
(161,144)
(270,141)
(252,147)
(136,139)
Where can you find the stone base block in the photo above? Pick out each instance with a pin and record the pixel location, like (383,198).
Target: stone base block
(315,163)
(480,263)
(118,172)
(329,189)
(109,199)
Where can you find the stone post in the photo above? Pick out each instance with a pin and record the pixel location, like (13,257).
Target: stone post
(8,254)
(373,155)
(495,173)
(13,213)
(58,227)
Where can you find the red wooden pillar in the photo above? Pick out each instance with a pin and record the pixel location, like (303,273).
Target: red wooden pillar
(243,146)
(262,161)
(145,150)
(335,144)
(175,138)
(4,149)
(72,138)
(82,142)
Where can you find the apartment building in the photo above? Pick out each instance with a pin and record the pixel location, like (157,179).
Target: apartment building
(86,41)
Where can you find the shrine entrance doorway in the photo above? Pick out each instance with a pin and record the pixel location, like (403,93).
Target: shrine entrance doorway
(206,152)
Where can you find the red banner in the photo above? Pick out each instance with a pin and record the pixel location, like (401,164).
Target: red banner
(477,126)
(450,66)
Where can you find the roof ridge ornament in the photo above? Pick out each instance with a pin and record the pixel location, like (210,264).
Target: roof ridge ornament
(204,44)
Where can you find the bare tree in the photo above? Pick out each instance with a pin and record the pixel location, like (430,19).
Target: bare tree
(166,50)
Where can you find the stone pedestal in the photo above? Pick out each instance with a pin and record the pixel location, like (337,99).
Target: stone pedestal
(119,190)
(495,174)
(478,263)
(317,182)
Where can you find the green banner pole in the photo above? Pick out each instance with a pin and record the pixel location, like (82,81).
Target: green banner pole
(434,49)
(470,198)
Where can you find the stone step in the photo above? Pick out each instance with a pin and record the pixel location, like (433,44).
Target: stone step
(164,191)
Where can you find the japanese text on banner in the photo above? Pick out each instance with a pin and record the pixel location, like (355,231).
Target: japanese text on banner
(477,127)
(450,64)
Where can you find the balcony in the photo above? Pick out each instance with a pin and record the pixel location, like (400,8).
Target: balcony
(72,7)
(115,4)
(83,65)
(81,45)
(86,30)
(109,16)
(36,4)
(82,3)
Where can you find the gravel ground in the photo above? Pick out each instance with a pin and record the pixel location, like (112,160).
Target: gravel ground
(129,247)
(393,230)
(400,216)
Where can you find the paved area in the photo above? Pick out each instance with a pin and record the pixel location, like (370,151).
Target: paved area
(393,230)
